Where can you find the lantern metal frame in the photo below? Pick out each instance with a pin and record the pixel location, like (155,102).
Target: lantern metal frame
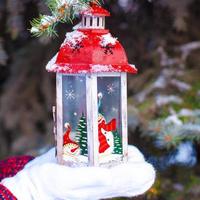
(92,114)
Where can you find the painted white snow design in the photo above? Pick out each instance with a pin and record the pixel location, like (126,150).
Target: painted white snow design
(82,161)
(111,88)
(133,66)
(51,64)
(70,95)
(101,68)
(73,38)
(107,39)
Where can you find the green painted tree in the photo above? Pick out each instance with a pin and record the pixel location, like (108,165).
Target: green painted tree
(81,135)
(117,143)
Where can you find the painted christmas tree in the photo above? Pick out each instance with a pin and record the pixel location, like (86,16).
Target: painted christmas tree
(81,136)
(117,143)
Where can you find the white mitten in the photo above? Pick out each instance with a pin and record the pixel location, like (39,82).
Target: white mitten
(43,179)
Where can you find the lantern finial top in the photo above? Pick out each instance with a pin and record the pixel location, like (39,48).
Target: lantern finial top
(94,17)
(96,10)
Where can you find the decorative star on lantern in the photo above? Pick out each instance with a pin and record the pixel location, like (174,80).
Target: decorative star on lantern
(108,49)
(77,47)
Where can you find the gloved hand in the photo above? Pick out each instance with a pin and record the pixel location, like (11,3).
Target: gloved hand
(43,179)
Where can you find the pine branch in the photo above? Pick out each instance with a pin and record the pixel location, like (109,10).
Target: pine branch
(62,11)
(171,135)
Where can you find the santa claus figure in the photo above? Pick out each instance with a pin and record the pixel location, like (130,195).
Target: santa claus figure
(105,133)
(70,147)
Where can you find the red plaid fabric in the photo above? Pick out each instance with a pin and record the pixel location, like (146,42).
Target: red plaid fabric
(5,194)
(9,168)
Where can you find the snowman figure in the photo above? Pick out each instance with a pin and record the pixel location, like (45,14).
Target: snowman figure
(105,131)
(106,138)
(70,147)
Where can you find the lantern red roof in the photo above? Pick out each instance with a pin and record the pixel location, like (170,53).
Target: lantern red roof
(96,10)
(90,50)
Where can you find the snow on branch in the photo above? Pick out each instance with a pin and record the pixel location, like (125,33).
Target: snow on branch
(62,11)
(171,69)
(172,131)
(186,49)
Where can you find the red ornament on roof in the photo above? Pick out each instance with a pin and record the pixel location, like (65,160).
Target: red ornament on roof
(91,48)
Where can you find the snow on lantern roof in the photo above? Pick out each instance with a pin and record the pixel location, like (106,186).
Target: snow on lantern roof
(73,38)
(107,39)
(96,10)
(90,51)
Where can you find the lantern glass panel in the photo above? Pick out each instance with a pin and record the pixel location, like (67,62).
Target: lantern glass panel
(109,119)
(74,119)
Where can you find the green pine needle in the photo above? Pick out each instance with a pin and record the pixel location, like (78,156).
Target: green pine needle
(59,14)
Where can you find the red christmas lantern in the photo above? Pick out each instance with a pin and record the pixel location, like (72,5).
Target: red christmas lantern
(91,110)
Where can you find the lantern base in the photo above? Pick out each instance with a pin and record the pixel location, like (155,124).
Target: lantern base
(82,161)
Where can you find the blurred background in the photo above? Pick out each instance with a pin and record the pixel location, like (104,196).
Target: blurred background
(162,38)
